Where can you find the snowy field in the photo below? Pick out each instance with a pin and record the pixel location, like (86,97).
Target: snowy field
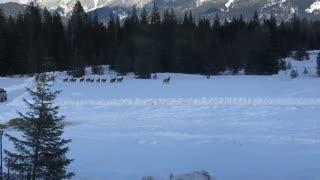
(235,127)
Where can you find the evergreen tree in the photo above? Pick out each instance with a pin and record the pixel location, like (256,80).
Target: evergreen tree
(60,51)
(216,23)
(78,39)
(134,19)
(144,17)
(155,18)
(33,26)
(40,153)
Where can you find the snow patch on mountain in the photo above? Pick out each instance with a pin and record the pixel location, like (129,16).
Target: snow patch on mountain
(313,7)
(200,2)
(229,3)
(96,3)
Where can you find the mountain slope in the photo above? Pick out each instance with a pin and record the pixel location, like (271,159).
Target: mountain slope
(283,9)
(12,8)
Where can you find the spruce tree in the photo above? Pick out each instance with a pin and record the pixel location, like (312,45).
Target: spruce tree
(78,39)
(144,17)
(155,18)
(216,23)
(40,153)
(134,18)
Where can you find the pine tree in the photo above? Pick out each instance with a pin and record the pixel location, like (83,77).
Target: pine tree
(59,45)
(144,17)
(155,15)
(216,23)
(33,25)
(134,19)
(78,40)
(40,153)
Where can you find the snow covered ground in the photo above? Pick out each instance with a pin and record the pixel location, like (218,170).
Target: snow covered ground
(235,127)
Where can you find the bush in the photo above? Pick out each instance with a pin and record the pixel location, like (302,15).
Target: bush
(289,66)
(301,54)
(154,76)
(97,70)
(283,65)
(294,74)
(77,72)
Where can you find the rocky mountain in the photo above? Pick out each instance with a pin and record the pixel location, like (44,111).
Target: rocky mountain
(283,9)
(12,8)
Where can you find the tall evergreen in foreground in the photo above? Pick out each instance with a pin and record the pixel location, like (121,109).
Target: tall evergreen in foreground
(40,153)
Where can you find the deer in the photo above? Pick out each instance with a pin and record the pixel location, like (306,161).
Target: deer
(119,79)
(166,81)
(65,80)
(82,80)
(98,80)
(88,80)
(103,80)
(73,80)
(113,80)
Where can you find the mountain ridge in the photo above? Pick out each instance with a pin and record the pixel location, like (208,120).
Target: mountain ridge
(282,9)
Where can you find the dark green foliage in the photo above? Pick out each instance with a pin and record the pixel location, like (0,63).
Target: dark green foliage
(294,74)
(97,70)
(283,65)
(40,153)
(301,54)
(148,42)
(155,18)
(289,66)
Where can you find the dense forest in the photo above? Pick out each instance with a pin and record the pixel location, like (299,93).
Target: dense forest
(149,42)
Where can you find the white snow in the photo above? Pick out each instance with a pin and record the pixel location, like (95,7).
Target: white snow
(315,6)
(234,127)
(200,2)
(229,3)
(96,4)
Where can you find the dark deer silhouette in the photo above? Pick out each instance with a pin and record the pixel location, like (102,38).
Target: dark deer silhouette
(88,80)
(98,80)
(65,80)
(119,79)
(103,80)
(82,80)
(113,80)
(73,80)
(166,81)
